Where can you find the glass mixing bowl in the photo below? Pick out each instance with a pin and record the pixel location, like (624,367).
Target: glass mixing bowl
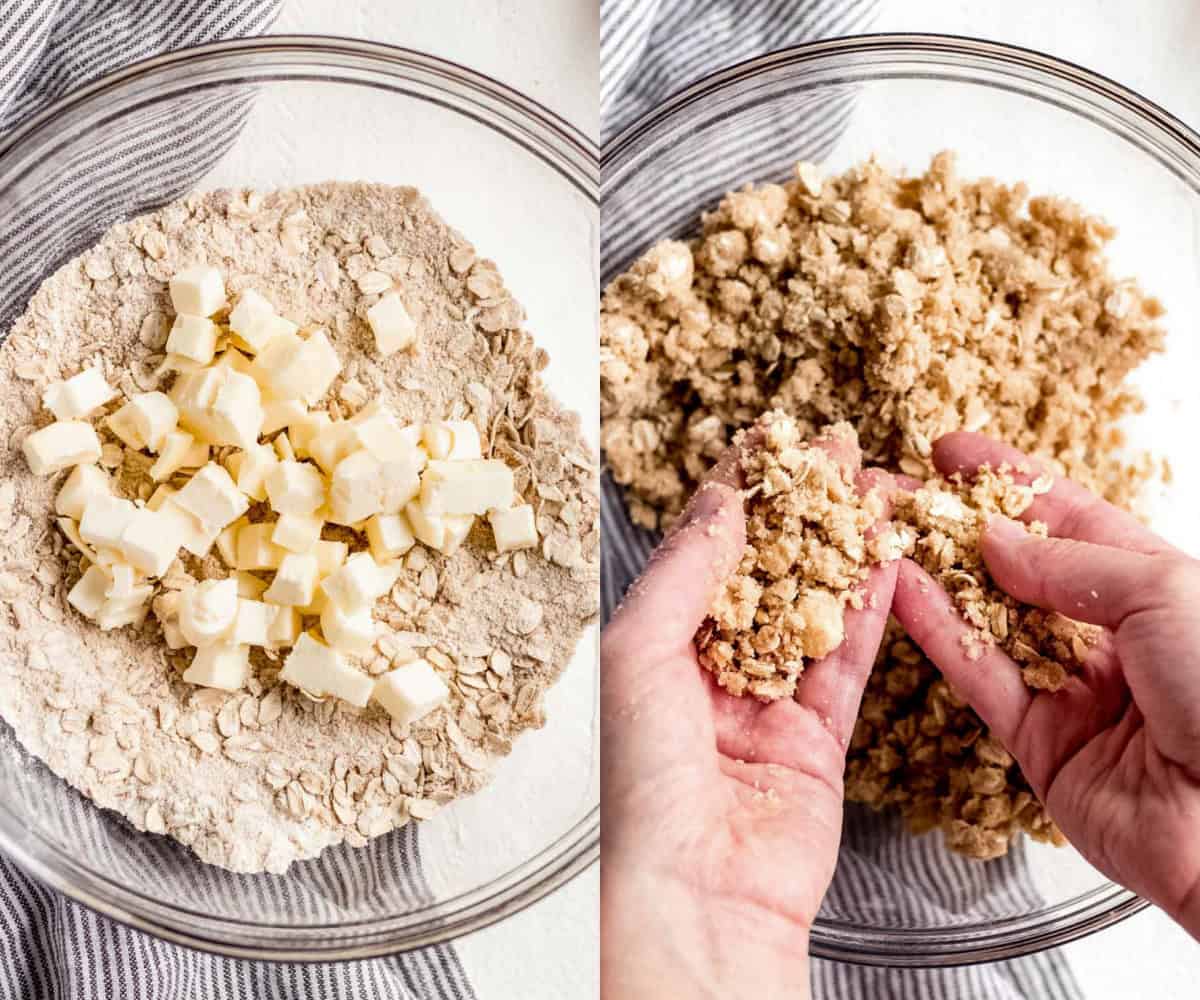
(522,184)
(1012,114)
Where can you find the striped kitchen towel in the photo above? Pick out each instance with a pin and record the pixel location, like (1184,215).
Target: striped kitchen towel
(651,49)
(50,947)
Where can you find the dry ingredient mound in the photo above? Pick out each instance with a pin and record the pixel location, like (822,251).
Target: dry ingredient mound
(806,555)
(257,779)
(909,307)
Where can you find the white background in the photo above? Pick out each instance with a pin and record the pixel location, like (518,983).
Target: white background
(548,49)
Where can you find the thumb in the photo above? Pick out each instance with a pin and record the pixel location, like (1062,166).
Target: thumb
(1087,582)
(667,603)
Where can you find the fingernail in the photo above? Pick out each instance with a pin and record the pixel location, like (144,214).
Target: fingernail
(1004,530)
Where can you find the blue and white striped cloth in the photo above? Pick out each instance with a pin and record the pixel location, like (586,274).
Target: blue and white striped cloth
(50,947)
(651,49)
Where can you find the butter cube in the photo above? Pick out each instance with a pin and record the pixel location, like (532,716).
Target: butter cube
(250,469)
(349,631)
(283,448)
(224,667)
(330,556)
(281,413)
(160,496)
(150,541)
(446,532)
(358,582)
(61,445)
(195,535)
(514,528)
(437,439)
(236,414)
(124,582)
(389,536)
(295,581)
(90,592)
(295,488)
(285,629)
(71,530)
(150,416)
(207,611)
(84,482)
(297,532)
(255,550)
(79,395)
(314,667)
(172,455)
(356,489)
(472,487)
(197,456)
(251,319)
(328,446)
(227,542)
(193,394)
(252,627)
(392,325)
(454,440)
(121,613)
(213,497)
(104,521)
(305,429)
(381,434)
(250,586)
(198,291)
(299,369)
(193,338)
(234,359)
(411,692)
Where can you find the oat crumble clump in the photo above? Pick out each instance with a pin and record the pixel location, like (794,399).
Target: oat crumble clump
(909,307)
(806,554)
(947,517)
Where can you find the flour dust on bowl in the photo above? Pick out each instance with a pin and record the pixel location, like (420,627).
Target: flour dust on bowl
(342,383)
(897,102)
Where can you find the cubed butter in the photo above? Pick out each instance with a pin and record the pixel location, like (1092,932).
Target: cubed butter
(255,550)
(198,290)
(250,469)
(145,421)
(329,445)
(125,578)
(79,395)
(252,626)
(171,457)
(151,541)
(314,667)
(61,445)
(285,628)
(513,528)
(295,581)
(297,532)
(281,413)
(411,692)
(392,325)
(298,369)
(283,448)
(350,631)
(208,610)
(454,440)
(250,586)
(193,394)
(71,530)
(105,519)
(446,533)
(193,338)
(389,536)
(212,496)
(304,430)
(90,592)
(359,581)
(236,414)
(295,488)
(251,319)
(84,482)
(471,487)
(195,535)
(330,556)
(225,667)
(227,542)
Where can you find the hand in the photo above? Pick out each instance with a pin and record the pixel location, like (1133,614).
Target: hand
(722,816)
(1115,756)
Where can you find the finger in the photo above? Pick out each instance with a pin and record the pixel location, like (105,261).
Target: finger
(1087,582)
(840,444)
(831,688)
(991,683)
(1068,510)
(667,603)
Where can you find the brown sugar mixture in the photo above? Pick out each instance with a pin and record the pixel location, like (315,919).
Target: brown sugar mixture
(908,307)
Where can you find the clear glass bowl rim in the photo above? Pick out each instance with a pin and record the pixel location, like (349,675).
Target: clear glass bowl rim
(544,135)
(951,58)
